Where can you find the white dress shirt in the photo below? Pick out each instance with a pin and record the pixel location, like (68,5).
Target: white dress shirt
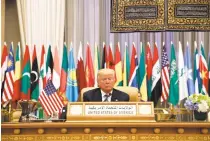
(103,95)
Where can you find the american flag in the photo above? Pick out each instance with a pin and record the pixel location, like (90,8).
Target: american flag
(8,89)
(50,100)
(165,75)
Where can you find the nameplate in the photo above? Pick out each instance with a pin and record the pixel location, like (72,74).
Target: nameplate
(110,110)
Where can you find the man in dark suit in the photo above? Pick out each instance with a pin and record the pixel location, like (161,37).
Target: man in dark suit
(105,92)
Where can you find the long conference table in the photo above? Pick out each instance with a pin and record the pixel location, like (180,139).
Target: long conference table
(104,131)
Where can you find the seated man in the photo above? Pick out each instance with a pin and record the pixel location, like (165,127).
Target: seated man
(105,92)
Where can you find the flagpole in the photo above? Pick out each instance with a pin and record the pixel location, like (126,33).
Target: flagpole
(9,110)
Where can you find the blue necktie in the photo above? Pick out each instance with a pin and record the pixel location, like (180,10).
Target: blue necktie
(106,97)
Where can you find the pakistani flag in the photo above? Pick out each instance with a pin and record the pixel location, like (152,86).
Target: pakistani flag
(174,84)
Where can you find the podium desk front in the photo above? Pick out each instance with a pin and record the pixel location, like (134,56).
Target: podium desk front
(106,131)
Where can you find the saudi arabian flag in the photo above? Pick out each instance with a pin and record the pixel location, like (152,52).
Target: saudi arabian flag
(174,82)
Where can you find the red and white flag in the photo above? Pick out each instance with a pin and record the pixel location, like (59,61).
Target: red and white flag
(8,89)
(4,61)
(50,100)
(165,75)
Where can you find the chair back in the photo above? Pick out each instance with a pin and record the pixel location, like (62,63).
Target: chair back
(131,91)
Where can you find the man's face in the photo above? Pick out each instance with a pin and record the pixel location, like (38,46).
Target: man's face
(106,82)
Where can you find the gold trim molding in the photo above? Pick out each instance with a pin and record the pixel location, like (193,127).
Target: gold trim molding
(103,137)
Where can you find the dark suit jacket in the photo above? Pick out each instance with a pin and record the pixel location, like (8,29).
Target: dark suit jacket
(95,95)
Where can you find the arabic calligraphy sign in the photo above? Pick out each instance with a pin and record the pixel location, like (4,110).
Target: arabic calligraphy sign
(159,15)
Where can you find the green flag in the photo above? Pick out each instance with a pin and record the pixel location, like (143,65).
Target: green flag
(34,77)
(26,70)
(142,75)
(174,87)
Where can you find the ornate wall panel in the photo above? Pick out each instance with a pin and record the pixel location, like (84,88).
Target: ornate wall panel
(137,15)
(160,15)
(188,15)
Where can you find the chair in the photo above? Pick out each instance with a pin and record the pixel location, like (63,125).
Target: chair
(131,91)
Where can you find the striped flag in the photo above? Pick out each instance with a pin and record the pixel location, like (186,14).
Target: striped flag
(143,75)
(4,61)
(196,76)
(118,66)
(156,77)
(164,74)
(42,77)
(203,71)
(3,66)
(134,68)
(149,70)
(72,87)
(8,89)
(209,76)
(50,100)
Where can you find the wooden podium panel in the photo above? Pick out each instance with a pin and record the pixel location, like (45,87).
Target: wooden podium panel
(104,131)
(83,126)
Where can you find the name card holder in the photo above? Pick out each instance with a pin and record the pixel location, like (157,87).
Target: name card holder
(110,111)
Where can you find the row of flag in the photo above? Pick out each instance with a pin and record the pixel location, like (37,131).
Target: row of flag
(168,82)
